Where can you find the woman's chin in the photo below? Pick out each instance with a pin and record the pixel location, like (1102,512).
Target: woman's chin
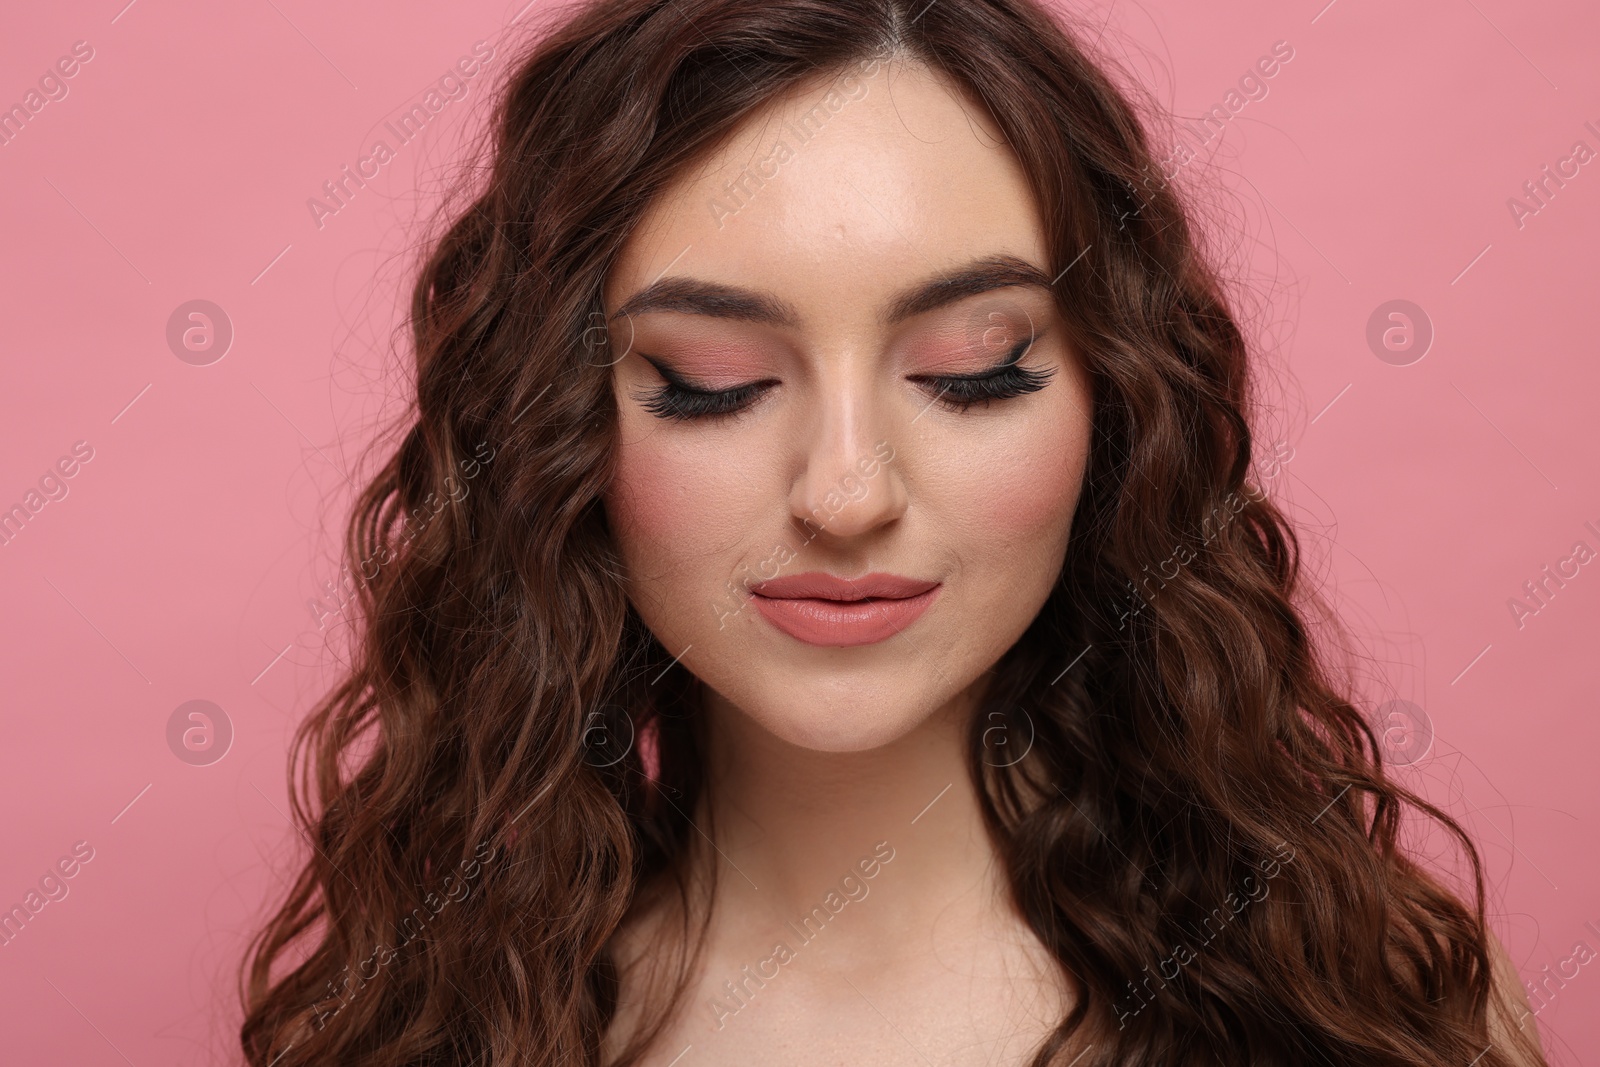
(857,725)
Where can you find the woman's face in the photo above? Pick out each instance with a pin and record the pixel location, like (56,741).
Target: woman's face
(790,323)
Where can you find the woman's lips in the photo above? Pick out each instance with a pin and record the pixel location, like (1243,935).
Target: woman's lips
(823,609)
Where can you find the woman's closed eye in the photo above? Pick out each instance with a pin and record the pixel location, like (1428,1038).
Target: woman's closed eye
(679,399)
(1000,382)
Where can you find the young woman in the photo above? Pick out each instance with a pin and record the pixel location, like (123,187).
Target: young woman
(825,608)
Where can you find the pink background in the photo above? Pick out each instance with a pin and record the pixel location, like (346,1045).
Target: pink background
(179,565)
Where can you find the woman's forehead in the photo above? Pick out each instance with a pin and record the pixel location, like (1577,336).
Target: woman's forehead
(903,179)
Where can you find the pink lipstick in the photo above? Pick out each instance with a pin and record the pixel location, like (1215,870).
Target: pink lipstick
(823,609)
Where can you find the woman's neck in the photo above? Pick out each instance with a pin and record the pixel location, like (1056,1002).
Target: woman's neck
(852,887)
(793,825)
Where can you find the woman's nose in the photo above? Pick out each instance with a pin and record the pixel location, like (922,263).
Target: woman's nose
(849,483)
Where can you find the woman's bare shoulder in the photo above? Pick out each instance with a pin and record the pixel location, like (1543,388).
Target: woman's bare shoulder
(1511,1024)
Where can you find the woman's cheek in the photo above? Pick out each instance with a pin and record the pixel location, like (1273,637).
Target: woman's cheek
(1028,496)
(1020,486)
(645,494)
(674,506)
(1040,492)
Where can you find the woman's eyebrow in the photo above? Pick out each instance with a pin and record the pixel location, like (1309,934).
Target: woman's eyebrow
(695,296)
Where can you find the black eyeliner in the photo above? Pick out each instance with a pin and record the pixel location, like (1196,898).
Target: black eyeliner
(1012,359)
(683,400)
(676,380)
(680,399)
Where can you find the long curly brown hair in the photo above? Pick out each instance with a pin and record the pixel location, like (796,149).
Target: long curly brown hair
(482,828)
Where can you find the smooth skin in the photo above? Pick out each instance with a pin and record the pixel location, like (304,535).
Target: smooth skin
(820,753)
(812,286)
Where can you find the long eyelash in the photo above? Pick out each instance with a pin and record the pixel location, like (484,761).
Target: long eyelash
(959,392)
(671,401)
(677,399)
